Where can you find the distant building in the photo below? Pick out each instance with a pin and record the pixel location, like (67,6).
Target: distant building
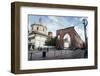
(38,36)
(50,34)
(68,38)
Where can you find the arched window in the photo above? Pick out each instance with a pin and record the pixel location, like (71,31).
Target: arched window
(43,29)
(37,28)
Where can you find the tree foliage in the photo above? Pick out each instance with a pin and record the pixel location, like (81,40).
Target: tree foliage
(50,41)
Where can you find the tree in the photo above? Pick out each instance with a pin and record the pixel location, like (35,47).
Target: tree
(50,41)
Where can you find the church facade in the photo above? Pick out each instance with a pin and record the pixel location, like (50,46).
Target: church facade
(37,37)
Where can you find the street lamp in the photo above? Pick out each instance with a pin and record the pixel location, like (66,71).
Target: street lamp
(85,22)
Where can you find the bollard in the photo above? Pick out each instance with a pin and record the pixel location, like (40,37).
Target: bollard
(86,54)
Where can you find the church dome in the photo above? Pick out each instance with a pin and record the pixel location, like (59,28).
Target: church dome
(39,28)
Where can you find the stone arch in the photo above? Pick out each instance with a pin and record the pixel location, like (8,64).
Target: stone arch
(75,40)
(67,41)
(58,37)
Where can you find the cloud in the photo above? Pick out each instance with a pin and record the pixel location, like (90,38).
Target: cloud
(72,25)
(52,27)
(53,18)
(29,27)
(80,31)
(56,21)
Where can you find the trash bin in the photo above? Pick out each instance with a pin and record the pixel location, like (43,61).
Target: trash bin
(43,54)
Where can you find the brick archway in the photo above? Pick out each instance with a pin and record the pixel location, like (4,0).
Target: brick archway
(67,41)
(76,41)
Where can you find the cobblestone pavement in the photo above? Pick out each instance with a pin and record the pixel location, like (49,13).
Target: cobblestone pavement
(56,54)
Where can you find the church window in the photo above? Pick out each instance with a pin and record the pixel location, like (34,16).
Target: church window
(37,28)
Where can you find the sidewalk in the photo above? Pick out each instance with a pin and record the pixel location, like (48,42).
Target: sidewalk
(56,54)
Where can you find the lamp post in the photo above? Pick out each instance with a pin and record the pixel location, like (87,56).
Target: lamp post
(85,22)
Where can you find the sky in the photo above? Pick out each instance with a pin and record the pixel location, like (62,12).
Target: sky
(54,23)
